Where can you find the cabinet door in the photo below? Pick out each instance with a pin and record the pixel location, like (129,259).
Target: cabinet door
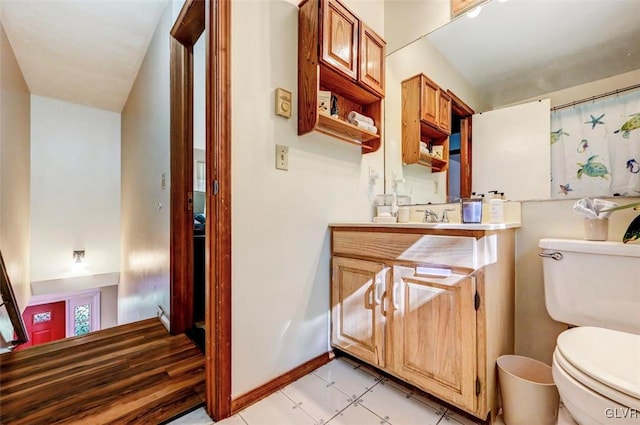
(434,334)
(357,325)
(444,112)
(429,106)
(339,38)
(372,59)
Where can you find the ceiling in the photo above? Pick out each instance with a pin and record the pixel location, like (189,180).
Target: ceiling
(81,51)
(519,49)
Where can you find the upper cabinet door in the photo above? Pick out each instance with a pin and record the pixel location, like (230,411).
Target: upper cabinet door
(444,112)
(430,92)
(372,55)
(339,38)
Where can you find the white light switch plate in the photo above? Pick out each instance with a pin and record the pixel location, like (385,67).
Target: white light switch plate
(282,157)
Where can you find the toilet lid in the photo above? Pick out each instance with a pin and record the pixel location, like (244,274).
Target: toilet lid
(608,356)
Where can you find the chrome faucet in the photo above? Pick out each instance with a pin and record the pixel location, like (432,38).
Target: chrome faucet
(445,216)
(431,217)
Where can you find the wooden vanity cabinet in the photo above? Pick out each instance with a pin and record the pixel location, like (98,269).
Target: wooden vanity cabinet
(338,52)
(426,117)
(441,334)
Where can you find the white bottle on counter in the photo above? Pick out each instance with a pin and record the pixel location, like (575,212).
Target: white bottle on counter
(496,210)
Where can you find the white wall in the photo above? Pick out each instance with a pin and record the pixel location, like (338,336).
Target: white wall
(144,280)
(407,20)
(536,332)
(280,240)
(418,57)
(14,177)
(75,189)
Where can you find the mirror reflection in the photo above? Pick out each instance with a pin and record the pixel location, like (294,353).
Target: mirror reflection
(511,52)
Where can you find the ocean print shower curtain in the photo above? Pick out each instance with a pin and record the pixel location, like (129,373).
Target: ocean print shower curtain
(595,148)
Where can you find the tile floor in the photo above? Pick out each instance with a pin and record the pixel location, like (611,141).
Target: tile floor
(338,393)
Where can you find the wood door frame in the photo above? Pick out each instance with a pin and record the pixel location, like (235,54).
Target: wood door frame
(213,17)
(461,109)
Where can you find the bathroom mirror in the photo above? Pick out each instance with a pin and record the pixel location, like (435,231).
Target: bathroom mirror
(512,51)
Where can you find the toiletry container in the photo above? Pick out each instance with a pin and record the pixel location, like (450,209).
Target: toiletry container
(496,210)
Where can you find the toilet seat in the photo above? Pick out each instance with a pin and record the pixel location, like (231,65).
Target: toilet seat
(603,360)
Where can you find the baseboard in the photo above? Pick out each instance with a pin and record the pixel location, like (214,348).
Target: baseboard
(281,381)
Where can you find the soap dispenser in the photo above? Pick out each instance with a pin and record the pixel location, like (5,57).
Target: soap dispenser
(496,207)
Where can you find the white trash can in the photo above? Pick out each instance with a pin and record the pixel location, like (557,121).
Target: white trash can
(529,395)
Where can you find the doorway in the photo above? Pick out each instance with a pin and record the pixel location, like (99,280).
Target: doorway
(211,19)
(459,173)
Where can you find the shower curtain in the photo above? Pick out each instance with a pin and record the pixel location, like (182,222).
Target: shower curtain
(595,148)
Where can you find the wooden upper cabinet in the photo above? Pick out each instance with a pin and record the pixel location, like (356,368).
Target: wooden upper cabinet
(338,53)
(426,117)
(430,94)
(461,6)
(339,38)
(371,58)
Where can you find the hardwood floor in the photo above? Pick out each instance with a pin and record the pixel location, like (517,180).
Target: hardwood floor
(130,374)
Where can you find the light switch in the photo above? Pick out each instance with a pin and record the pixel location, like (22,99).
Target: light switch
(283,103)
(282,157)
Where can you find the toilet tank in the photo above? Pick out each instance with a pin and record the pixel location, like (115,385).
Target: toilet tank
(592,283)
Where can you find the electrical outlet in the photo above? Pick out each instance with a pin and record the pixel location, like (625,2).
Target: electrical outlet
(282,157)
(435,187)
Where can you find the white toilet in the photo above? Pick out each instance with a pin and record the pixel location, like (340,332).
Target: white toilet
(596,365)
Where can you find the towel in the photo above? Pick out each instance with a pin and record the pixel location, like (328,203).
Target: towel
(593,208)
(354,116)
(365,126)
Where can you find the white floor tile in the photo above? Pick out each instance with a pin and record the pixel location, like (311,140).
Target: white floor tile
(276,409)
(233,420)
(399,387)
(344,376)
(398,408)
(316,397)
(356,414)
(197,417)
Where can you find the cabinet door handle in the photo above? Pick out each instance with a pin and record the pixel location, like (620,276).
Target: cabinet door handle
(370,297)
(396,297)
(376,291)
(383,302)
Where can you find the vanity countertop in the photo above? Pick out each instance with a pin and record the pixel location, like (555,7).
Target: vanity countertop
(443,226)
